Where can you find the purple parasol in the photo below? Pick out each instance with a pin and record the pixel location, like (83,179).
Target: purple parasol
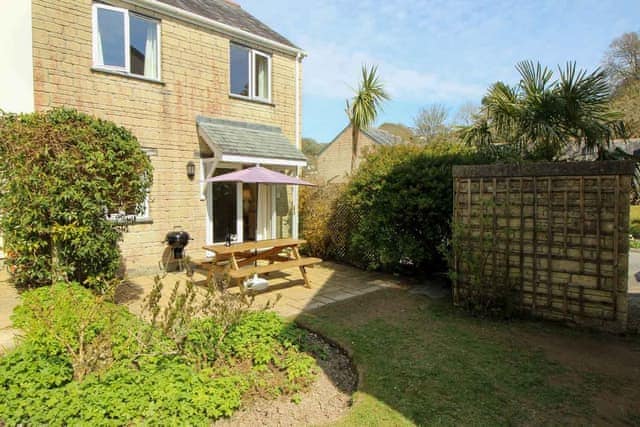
(260,175)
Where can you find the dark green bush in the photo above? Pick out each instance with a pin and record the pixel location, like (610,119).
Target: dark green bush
(60,172)
(395,212)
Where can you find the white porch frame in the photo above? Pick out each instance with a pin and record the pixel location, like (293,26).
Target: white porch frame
(208,167)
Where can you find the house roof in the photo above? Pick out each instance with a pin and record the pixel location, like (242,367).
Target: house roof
(229,13)
(378,136)
(580,152)
(248,139)
(381,137)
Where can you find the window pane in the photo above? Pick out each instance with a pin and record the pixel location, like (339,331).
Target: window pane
(239,70)
(262,76)
(110,40)
(225,213)
(143,40)
(284,211)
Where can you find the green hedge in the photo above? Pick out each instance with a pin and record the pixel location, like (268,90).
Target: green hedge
(395,212)
(60,172)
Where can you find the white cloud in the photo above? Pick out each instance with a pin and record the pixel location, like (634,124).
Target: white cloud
(332,72)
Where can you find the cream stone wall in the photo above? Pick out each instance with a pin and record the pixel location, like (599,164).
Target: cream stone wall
(334,163)
(195,81)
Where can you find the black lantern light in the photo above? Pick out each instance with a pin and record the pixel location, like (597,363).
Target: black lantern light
(191,170)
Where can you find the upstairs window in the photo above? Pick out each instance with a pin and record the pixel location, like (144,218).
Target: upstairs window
(250,72)
(126,42)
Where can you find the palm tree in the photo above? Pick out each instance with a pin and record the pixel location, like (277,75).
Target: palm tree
(540,116)
(364,107)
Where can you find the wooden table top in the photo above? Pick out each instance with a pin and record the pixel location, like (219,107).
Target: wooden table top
(248,246)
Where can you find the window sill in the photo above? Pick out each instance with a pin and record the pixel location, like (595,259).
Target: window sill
(131,221)
(128,75)
(255,101)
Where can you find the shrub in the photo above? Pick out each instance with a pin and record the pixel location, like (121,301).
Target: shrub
(394,213)
(60,172)
(38,390)
(402,196)
(87,361)
(68,320)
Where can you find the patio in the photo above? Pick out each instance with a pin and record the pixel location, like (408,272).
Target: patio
(330,282)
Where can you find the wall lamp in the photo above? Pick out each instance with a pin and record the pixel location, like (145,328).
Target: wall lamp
(191,170)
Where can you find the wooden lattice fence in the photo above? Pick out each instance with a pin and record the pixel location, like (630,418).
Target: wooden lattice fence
(555,234)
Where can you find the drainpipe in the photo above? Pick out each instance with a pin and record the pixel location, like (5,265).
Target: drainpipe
(296,192)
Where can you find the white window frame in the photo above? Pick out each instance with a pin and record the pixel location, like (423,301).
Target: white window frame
(145,215)
(127,41)
(142,217)
(252,60)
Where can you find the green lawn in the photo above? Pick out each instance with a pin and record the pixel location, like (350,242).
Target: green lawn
(424,363)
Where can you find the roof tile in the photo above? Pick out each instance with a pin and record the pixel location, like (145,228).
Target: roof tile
(249,139)
(230,13)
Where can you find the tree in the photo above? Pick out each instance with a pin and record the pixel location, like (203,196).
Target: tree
(540,116)
(622,60)
(311,148)
(431,122)
(364,107)
(627,101)
(466,114)
(60,172)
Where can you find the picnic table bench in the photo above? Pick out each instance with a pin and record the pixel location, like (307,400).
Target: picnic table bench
(241,260)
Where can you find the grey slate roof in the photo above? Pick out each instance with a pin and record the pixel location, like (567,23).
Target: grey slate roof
(378,136)
(227,12)
(248,139)
(382,137)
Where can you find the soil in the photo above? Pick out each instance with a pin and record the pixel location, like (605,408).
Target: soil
(326,400)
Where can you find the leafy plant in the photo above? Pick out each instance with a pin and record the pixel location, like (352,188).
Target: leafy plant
(401,201)
(60,172)
(541,116)
(69,320)
(364,107)
(85,360)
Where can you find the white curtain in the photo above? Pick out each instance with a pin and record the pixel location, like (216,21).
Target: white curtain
(264,212)
(261,77)
(99,54)
(151,52)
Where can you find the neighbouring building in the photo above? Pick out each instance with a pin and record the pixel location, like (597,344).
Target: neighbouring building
(206,88)
(334,162)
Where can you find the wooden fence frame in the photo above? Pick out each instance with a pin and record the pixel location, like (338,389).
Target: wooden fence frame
(558,234)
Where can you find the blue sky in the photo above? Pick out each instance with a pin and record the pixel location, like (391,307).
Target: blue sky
(440,51)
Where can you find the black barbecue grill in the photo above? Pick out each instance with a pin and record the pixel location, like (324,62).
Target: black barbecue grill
(176,240)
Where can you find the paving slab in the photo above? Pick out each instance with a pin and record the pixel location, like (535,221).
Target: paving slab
(330,282)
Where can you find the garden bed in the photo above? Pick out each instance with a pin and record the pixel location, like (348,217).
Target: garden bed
(326,400)
(85,360)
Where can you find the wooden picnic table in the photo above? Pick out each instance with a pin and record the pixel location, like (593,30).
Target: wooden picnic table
(240,260)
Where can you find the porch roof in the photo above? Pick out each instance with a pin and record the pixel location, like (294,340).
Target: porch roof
(241,139)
